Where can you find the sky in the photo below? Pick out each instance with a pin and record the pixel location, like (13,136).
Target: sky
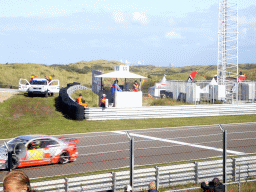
(161,33)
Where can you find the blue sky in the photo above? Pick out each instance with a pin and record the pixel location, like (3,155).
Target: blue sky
(160,32)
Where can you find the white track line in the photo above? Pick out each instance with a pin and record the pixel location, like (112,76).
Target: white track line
(179,142)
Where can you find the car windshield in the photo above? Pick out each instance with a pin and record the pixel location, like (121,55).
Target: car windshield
(17,140)
(39,83)
(14,141)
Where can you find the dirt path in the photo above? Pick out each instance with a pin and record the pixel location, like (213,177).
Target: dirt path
(6,95)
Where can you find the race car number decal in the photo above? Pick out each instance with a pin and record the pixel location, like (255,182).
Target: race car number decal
(35,154)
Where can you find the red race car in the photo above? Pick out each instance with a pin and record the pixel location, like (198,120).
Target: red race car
(30,150)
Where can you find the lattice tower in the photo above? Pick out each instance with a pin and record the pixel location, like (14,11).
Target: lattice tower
(227,67)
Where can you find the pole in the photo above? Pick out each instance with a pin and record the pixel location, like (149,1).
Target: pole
(132,162)
(9,161)
(225,159)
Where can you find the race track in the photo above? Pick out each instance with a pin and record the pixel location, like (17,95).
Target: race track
(109,150)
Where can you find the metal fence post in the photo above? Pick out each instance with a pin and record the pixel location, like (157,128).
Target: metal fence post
(225,158)
(114,181)
(9,161)
(132,162)
(239,183)
(157,178)
(66,184)
(196,172)
(224,173)
(234,169)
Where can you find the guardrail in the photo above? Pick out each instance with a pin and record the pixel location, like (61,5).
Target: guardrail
(169,111)
(164,176)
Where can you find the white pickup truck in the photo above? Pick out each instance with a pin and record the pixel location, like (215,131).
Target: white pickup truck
(39,86)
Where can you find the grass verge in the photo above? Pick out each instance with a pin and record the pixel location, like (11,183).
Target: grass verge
(21,115)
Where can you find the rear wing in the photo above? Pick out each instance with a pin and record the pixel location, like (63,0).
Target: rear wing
(69,139)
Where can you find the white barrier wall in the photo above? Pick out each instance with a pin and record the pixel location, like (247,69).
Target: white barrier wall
(191,90)
(128,99)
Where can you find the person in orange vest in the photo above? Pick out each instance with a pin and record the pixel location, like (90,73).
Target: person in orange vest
(103,101)
(31,78)
(50,78)
(79,100)
(135,87)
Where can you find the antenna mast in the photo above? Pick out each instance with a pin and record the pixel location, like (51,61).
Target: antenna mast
(227,67)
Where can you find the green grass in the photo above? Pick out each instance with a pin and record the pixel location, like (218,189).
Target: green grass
(21,115)
(88,97)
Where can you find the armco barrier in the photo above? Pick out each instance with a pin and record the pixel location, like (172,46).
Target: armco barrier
(169,111)
(239,168)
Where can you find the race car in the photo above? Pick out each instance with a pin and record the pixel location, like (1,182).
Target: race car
(32,150)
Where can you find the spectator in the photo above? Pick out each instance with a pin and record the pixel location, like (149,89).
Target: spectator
(115,87)
(16,181)
(79,100)
(214,186)
(127,188)
(152,187)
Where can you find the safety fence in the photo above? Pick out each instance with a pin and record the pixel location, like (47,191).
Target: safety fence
(169,111)
(240,168)
(200,149)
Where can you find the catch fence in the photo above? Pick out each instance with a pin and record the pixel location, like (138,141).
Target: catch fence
(172,156)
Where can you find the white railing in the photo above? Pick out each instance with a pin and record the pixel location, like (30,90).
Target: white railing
(169,111)
(165,176)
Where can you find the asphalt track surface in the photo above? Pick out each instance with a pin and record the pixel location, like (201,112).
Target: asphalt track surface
(110,150)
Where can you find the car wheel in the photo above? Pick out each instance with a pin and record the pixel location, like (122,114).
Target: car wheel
(64,157)
(51,94)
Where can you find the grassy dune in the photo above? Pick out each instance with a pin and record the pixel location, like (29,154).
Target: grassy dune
(81,72)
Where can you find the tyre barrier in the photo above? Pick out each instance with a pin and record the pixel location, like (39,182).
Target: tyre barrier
(68,106)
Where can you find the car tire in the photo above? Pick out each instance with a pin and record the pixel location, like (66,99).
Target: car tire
(64,157)
(51,94)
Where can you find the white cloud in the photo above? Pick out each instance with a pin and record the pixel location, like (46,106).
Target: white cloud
(173,35)
(140,17)
(118,16)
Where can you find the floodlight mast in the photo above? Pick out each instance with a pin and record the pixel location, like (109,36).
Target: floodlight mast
(227,67)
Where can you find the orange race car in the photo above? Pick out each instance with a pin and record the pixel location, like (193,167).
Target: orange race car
(30,150)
